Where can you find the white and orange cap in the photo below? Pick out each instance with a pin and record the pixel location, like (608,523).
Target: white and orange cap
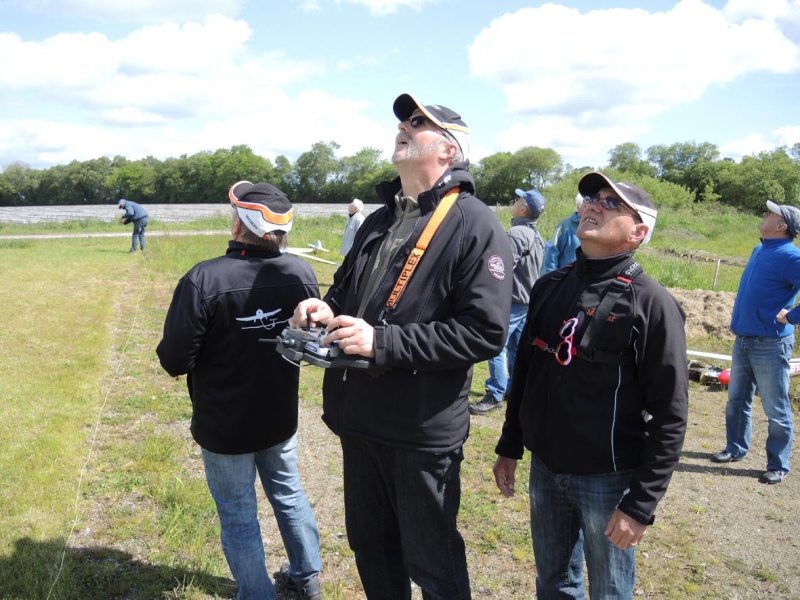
(261,207)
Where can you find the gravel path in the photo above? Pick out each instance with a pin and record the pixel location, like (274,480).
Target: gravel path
(166,213)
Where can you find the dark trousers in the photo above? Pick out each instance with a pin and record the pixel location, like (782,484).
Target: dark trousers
(401,508)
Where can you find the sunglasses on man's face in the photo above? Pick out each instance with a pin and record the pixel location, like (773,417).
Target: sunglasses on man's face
(420,120)
(611,203)
(417,121)
(607,202)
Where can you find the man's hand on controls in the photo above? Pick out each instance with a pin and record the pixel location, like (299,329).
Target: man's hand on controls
(310,313)
(355,336)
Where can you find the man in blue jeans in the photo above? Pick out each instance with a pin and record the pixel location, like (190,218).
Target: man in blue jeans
(136,214)
(527,248)
(763,320)
(244,395)
(600,397)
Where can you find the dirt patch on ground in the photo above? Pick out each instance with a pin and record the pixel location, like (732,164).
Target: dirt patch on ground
(707,313)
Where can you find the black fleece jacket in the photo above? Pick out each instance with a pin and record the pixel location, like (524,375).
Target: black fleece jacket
(589,417)
(244,395)
(453,313)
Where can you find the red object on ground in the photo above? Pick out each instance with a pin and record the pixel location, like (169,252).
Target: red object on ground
(725,377)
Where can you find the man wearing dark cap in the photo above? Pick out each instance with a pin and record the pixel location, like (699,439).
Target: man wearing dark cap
(244,395)
(764,315)
(599,396)
(425,293)
(527,249)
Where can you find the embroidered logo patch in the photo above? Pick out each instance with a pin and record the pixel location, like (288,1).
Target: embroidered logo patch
(497,267)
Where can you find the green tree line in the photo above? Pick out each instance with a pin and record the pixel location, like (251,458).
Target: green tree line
(680,173)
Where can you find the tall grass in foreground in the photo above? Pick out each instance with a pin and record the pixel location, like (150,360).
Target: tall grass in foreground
(101,489)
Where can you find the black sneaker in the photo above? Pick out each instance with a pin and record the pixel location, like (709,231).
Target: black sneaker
(725,457)
(772,477)
(306,589)
(486,405)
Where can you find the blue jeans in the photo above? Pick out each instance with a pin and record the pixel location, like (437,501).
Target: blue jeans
(569,515)
(138,233)
(231,480)
(763,363)
(502,366)
(401,508)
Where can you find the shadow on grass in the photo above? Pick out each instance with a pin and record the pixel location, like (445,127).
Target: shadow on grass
(97,573)
(734,469)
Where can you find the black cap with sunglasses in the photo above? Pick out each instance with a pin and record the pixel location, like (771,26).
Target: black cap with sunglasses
(446,119)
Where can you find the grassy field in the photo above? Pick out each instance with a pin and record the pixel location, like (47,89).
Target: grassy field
(101,488)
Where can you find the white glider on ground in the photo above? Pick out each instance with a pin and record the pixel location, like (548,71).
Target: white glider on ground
(312,248)
(794,363)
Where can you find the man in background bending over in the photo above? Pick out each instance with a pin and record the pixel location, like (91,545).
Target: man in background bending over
(136,214)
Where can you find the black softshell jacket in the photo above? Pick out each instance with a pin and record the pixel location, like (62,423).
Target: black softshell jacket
(589,417)
(454,313)
(244,394)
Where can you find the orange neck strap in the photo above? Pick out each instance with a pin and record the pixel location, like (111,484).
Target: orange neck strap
(420,247)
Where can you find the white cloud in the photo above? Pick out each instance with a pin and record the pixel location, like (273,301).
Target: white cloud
(294,124)
(378,8)
(739,10)
(574,142)
(309,6)
(388,7)
(755,143)
(165,70)
(54,142)
(604,73)
(136,11)
(167,90)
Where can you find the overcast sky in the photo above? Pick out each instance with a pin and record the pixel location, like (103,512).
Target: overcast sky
(81,79)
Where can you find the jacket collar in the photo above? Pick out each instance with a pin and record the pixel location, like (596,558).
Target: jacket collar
(775,242)
(523,221)
(250,250)
(601,268)
(455,176)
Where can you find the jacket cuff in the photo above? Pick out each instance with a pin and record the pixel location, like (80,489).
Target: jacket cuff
(379,344)
(634,513)
(509,450)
